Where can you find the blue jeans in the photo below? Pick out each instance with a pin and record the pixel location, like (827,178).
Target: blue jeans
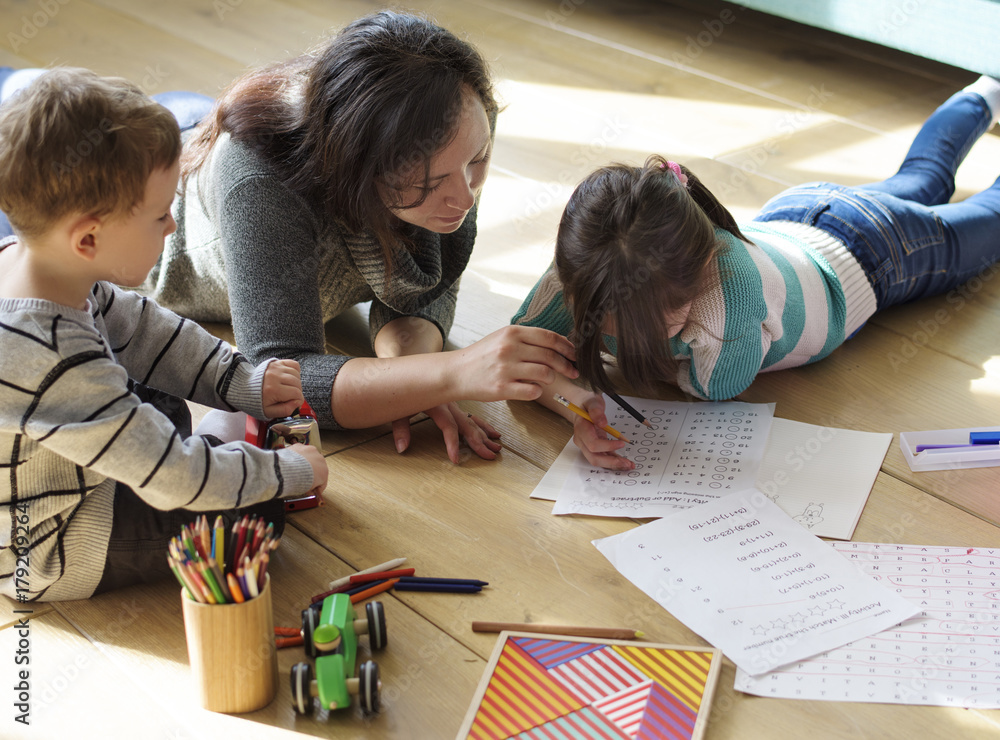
(188,108)
(910,241)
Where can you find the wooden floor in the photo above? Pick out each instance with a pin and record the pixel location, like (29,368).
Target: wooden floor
(753,105)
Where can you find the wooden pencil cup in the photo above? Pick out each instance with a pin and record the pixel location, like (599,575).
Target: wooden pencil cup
(232,653)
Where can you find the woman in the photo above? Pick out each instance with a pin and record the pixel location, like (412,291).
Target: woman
(345,175)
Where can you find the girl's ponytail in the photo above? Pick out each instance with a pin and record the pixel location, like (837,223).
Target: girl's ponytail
(717,213)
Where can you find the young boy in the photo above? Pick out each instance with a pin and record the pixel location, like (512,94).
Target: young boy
(99,472)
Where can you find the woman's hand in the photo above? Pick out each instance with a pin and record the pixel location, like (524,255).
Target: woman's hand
(282,389)
(455,425)
(600,450)
(513,363)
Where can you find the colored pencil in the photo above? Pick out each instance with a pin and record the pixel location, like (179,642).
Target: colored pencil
(177,574)
(610,633)
(338,590)
(381,576)
(241,537)
(441,588)
(584,415)
(210,571)
(209,577)
(234,588)
(206,535)
(250,578)
(219,541)
(359,587)
(220,580)
(197,586)
(258,535)
(262,570)
(456,581)
(390,565)
(369,592)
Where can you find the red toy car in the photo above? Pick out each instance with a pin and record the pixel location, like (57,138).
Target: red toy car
(300,427)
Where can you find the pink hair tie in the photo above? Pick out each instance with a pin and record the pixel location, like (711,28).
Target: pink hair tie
(676,169)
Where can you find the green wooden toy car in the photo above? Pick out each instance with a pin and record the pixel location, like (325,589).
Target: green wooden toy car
(330,635)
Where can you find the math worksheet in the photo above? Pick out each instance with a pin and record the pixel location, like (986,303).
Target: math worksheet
(948,655)
(749,579)
(694,452)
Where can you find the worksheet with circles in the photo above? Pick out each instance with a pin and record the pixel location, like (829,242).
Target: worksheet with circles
(691,453)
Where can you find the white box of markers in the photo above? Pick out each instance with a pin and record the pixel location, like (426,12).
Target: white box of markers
(948,458)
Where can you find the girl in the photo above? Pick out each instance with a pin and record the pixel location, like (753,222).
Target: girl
(650,267)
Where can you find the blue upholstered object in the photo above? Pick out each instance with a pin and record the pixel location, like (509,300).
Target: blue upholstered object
(962,33)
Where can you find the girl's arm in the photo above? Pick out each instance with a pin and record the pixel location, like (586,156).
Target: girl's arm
(595,444)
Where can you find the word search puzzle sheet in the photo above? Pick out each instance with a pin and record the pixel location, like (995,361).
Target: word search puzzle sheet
(693,453)
(947,655)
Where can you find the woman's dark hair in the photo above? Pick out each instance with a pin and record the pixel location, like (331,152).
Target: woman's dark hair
(377,101)
(634,245)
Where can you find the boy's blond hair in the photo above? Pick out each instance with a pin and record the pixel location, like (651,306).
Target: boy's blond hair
(74,142)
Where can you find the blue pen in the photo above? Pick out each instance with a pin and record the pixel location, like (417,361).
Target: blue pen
(945,448)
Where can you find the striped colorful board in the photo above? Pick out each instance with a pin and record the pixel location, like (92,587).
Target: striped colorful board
(556,687)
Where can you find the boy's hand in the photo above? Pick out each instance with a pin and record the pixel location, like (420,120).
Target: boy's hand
(321,473)
(282,392)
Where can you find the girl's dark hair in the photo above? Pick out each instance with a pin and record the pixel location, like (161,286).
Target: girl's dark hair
(634,245)
(376,101)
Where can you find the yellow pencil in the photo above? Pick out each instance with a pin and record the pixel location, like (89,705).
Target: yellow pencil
(580,412)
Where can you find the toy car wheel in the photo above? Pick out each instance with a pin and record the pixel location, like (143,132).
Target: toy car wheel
(368,695)
(310,620)
(377,636)
(302,698)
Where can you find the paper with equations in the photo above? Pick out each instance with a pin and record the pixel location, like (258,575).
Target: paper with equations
(692,453)
(749,579)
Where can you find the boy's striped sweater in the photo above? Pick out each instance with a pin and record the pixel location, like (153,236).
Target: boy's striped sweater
(70,428)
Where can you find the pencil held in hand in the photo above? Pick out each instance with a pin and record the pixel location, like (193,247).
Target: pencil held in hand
(583,414)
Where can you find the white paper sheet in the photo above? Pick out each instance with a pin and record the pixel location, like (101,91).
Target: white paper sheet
(949,655)
(695,452)
(750,580)
(821,476)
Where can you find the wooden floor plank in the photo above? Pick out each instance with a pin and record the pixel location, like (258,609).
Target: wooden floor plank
(866,385)
(70,680)
(729,43)
(582,84)
(86,35)
(142,630)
